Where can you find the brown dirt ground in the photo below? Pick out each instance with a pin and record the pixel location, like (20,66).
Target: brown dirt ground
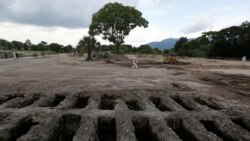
(66,73)
(224,80)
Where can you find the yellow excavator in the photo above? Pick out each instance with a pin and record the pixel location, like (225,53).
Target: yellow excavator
(170,59)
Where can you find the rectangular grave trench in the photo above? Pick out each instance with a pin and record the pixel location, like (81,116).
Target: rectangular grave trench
(182,103)
(209,105)
(26,102)
(106,129)
(57,99)
(22,128)
(158,104)
(8,98)
(241,123)
(143,131)
(3,116)
(133,105)
(107,102)
(81,102)
(212,127)
(180,130)
(68,125)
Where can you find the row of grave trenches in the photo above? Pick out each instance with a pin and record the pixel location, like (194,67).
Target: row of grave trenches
(119,126)
(20,100)
(119,115)
(145,101)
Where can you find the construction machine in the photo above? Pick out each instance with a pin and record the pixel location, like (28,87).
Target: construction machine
(102,54)
(170,59)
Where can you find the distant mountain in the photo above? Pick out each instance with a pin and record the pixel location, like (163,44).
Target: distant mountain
(164,44)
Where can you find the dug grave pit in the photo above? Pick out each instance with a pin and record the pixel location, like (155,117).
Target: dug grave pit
(149,115)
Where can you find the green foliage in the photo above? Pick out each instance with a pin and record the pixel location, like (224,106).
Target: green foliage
(88,43)
(126,49)
(43,43)
(194,48)
(198,53)
(129,49)
(115,21)
(4,44)
(169,51)
(166,51)
(54,47)
(28,46)
(203,40)
(42,53)
(17,45)
(67,49)
(145,49)
(229,42)
(80,50)
(180,43)
(35,54)
(157,51)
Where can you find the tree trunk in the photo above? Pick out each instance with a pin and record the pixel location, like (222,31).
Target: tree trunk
(118,48)
(89,54)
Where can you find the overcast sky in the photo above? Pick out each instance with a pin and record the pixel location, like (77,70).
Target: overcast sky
(67,21)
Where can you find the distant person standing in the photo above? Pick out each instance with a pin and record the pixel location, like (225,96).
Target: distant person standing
(14,55)
(244,59)
(135,63)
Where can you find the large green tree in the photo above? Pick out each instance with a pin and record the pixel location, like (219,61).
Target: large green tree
(55,47)
(17,45)
(115,21)
(4,44)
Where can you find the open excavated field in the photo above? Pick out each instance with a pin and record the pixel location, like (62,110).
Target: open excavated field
(63,98)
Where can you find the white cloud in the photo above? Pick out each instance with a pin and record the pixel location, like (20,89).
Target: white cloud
(63,21)
(144,35)
(155,7)
(20,32)
(217,19)
(140,36)
(67,36)
(66,21)
(228,21)
(155,3)
(199,24)
(64,13)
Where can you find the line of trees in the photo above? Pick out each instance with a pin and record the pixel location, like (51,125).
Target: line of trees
(89,44)
(129,49)
(28,46)
(232,42)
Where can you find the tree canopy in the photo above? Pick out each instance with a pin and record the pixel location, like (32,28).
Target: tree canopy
(231,42)
(115,21)
(27,45)
(88,43)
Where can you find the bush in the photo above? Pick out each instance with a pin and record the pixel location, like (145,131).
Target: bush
(35,54)
(42,53)
(198,53)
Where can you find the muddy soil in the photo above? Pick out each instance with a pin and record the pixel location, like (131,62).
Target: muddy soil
(65,98)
